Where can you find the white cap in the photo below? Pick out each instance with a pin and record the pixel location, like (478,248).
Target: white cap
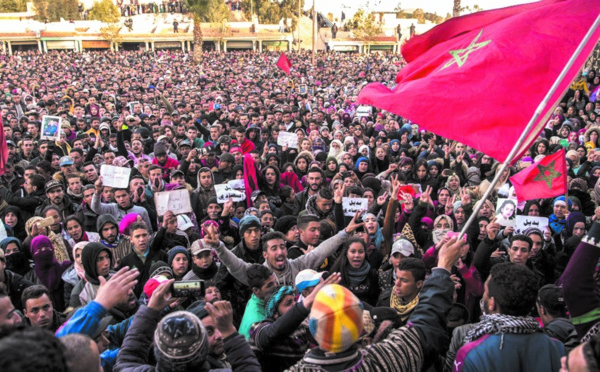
(404,247)
(184,222)
(307,278)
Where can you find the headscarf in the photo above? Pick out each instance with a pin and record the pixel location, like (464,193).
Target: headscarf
(363,147)
(19,228)
(573,218)
(438,234)
(47,269)
(60,251)
(337,154)
(78,268)
(273,302)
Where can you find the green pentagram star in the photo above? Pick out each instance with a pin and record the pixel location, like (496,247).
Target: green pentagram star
(460,56)
(547,174)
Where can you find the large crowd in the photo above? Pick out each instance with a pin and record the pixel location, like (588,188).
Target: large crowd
(289,276)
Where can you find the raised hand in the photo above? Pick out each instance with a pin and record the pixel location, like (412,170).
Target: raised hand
(166,218)
(98,184)
(449,207)
(492,229)
(426,196)
(222,314)
(338,195)
(395,187)
(450,253)
(382,198)
(117,289)
(353,225)
(465,196)
(211,237)
(409,204)
(161,297)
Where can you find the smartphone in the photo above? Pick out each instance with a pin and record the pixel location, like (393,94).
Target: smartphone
(187,288)
(48,221)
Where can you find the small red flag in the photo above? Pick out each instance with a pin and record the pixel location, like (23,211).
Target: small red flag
(3,149)
(478,79)
(546,178)
(284,63)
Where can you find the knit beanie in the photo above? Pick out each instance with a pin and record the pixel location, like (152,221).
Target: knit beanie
(336,318)
(128,220)
(152,284)
(212,200)
(248,222)
(272,303)
(285,224)
(160,148)
(160,267)
(180,342)
(176,250)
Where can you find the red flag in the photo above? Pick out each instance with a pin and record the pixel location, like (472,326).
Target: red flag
(3,149)
(284,63)
(479,78)
(546,178)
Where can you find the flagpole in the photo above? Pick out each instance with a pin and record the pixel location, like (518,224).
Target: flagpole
(531,123)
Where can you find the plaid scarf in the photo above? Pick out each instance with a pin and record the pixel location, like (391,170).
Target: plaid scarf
(502,324)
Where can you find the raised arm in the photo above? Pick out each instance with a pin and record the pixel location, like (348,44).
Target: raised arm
(236,266)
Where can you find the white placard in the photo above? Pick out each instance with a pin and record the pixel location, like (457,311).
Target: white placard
(287,139)
(353,205)
(525,222)
(238,185)
(50,129)
(225,192)
(506,210)
(176,201)
(117,177)
(131,106)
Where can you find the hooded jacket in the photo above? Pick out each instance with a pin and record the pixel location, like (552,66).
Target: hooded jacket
(89,255)
(123,244)
(199,198)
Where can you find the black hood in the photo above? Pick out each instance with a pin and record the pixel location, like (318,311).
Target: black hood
(89,255)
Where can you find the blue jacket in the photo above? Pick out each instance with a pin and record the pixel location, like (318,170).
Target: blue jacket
(86,320)
(510,353)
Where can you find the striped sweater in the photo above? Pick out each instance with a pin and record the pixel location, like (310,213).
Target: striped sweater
(404,348)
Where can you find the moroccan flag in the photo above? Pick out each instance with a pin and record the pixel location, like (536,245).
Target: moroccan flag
(546,178)
(284,63)
(479,78)
(3,149)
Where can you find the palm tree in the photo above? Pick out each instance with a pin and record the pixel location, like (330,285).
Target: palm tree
(200,10)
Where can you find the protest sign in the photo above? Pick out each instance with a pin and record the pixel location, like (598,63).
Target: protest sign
(131,105)
(287,139)
(50,129)
(525,222)
(237,185)
(176,201)
(506,209)
(117,177)
(353,205)
(226,192)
